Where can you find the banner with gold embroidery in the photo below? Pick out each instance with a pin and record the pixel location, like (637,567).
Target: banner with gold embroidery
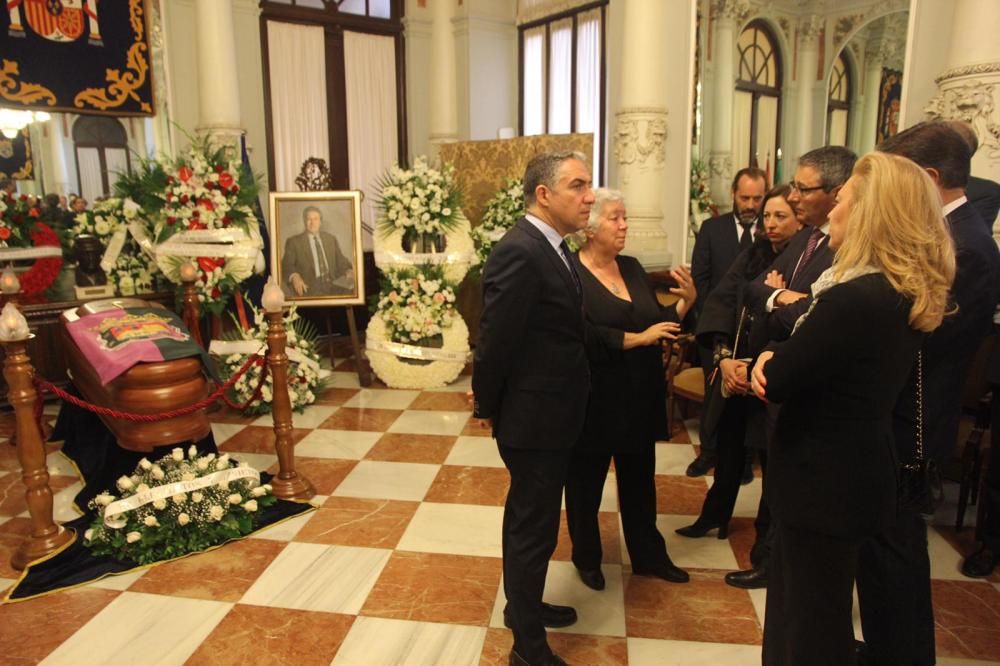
(80,56)
(15,157)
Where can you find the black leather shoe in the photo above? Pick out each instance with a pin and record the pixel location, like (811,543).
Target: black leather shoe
(981,563)
(552,660)
(698,530)
(751,579)
(552,616)
(700,465)
(667,571)
(592,578)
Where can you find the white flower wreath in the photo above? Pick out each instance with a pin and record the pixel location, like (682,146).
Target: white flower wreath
(396,372)
(457,256)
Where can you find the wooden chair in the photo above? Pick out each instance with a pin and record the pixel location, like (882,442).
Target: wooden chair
(685,381)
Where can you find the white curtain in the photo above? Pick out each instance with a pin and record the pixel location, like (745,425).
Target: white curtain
(560,75)
(370,63)
(742,108)
(90,173)
(533,93)
(117,163)
(588,80)
(838,127)
(767,127)
(298,99)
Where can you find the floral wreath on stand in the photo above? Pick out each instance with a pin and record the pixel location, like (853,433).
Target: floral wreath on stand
(305,376)
(502,211)
(24,236)
(216,502)
(700,197)
(121,228)
(202,204)
(416,338)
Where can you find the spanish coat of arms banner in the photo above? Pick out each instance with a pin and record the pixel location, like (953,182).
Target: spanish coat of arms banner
(79,56)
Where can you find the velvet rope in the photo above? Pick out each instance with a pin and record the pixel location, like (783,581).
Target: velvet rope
(43,385)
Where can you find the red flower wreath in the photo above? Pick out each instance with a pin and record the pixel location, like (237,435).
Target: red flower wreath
(44,271)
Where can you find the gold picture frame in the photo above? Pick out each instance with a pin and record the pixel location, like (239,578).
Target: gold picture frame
(307,260)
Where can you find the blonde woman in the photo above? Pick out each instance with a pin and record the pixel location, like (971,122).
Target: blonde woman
(832,476)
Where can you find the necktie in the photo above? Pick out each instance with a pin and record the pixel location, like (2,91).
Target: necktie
(746,240)
(324,269)
(564,249)
(814,239)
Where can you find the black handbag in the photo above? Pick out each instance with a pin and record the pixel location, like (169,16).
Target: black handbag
(920,487)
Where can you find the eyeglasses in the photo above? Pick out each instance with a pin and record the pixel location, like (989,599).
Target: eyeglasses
(801,189)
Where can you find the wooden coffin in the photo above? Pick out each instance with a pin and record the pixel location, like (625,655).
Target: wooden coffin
(146,388)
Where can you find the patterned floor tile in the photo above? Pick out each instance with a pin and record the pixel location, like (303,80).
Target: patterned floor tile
(376,640)
(679,494)
(325,474)
(351,521)
(573,648)
(459,529)
(610,541)
(346,444)
(444,401)
(336,396)
(403,447)
(966,619)
(352,418)
(477,451)
(257,439)
(470,485)
(60,614)
(368,398)
(388,480)
(430,423)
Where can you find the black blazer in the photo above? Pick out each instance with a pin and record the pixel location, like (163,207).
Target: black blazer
(530,373)
(627,407)
(949,350)
(984,195)
(715,248)
(780,322)
(832,467)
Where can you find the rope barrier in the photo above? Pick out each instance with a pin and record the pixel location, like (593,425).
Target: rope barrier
(42,385)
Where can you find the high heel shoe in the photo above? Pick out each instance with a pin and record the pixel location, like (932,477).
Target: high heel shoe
(698,530)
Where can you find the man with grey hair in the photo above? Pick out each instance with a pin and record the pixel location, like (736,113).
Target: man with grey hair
(531,380)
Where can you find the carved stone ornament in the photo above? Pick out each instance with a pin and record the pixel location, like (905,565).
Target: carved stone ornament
(736,10)
(721,166)
(810,27)
(314,176)
(640,139)
(974,102)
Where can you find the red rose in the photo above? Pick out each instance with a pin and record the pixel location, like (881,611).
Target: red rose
(35,213)
(184,198)
(170,180)
(24,197)
(235,188)
(209,264)
(206,204)
(4,233)
(169,197)
(185,173)
(218,168)
(171,220)
(226,221)
(216,292)
(196,224)
(17,217)
(226,179)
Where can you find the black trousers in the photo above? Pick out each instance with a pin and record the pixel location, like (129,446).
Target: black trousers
(809,599)
(708,434)
(730,458)
(894,594)
(760,552)
(636,500)
(989,530)
(530,532)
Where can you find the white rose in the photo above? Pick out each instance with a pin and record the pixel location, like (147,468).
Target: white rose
(223,485)
(183,519)
(88,535)
(187,476)
(250,506)
(125,483)
(202,463)
(258,491)
(150,521)
(132,537)
(158,473)
(141,488)
(180,498)
(216,512)
(145,464)
(104,499)
(235,498)
(160,504)
(177,454)
(197,497)
(223,461)
(192,452)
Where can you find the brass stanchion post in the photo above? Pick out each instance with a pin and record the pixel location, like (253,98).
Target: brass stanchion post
(288,484)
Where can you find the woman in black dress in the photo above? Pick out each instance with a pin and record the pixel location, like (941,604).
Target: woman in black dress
(833,468)
(723,320)
(626,412)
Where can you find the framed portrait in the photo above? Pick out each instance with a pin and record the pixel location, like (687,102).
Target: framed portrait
(316,247)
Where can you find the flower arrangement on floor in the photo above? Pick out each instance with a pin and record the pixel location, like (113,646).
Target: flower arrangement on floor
(701,205)
(502,211)
(24,236)
(146,522)
(306,379)
(128,267)
(202,202)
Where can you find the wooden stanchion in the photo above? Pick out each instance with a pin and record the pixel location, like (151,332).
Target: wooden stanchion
(189,302)
(288,484)
(46,535)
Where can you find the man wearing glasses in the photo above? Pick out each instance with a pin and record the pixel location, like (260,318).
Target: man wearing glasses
(779,299)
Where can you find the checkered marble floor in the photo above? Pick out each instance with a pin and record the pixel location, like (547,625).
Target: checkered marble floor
(400,564)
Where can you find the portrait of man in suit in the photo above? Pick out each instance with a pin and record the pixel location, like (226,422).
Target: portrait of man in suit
(315,261)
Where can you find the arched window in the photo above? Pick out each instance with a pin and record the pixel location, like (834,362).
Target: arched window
(757,104)
(101,147)
(838,104)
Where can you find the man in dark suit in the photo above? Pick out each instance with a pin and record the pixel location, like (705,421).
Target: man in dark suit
(313,261)
(531,380)
(893,577)
(779,299)
(983,194)
(719,240)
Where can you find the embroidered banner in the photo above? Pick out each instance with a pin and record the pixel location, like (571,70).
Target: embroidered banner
(15,157)
(65,55)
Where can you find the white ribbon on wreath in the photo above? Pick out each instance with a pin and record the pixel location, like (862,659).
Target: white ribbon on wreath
(241,250)
(458,252)
(397,373)
(117,243)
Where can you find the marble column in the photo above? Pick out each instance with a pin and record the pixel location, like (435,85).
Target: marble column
(641,131)
(444,82)
(869,114)
(218,89)
(727,14)
(58,177)
(969,86)
(808,63)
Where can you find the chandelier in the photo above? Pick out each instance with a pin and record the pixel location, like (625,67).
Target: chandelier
(13,121)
